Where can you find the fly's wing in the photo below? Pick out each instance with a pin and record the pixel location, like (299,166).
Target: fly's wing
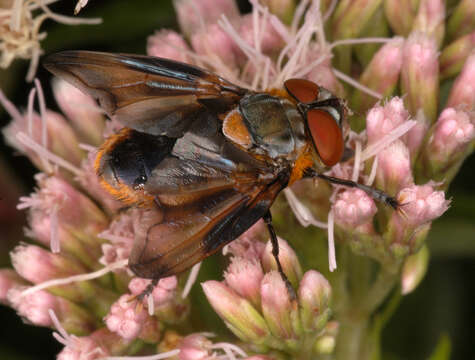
(182,235)
(153,95)
(209,192)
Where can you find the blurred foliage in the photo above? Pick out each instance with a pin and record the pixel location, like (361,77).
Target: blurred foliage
(435,320)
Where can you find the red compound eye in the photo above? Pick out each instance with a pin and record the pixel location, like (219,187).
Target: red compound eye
(302,90)
(326,135)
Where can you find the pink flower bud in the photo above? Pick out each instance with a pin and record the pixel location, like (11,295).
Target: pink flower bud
(170,45)
(400,15)
(269,40)
(353,207)
(394,168)
(194,347)
(35,308)
(381,120)
(37,265)
(120,236)
(244,276)
(249,245)
(8,279)
(162,293)
(69,209)
(278,309)
(81,109)
(101,343)
(216,44)
(314,298)
(455,54)
(83,348)
(430,19)
(422,203)
(381,74)
(415,136)
(240,316)
(56,136)
(463,91)
(420,75)
(192,15)
(125,319)
(449,143)
(288,259)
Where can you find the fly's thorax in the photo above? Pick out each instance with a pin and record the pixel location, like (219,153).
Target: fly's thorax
(266,125)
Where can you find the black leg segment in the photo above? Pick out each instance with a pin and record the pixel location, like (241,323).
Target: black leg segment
(275,251)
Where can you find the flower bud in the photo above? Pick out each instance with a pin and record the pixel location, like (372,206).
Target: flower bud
(449,143)
(414,270)
(194,347)
(56,136)
(381,120)
(244,276)
(214,43)
(455,54)
(463,91)
(415,136)
(430,19)
(192,14)
(422,203)
(462,19)
(70,209)
(314,298)
(270,41)
(280,312)
(238,314)
(420,75)
(101,343)
(400,15)
(352,208)
(250,244)
(168,44)
(8,279)
(288,259)
(38,265)
(81,109)
(381,74)
(125,319)
(394,168)
(35,308)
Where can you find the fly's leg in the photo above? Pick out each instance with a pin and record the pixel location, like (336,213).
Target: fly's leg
(148,290)
(275,252)
(376,194)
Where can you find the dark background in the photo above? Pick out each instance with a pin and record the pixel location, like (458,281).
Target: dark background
(443,305)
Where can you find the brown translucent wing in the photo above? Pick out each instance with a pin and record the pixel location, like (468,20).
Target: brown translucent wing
(208,193)
(153,95)
(185,234)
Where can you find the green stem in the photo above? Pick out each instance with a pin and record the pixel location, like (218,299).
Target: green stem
(351,335)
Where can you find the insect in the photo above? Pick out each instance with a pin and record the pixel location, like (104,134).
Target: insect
(210,155)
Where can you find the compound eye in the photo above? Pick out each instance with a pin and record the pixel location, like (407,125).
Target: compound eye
(302,90)
(326,135)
